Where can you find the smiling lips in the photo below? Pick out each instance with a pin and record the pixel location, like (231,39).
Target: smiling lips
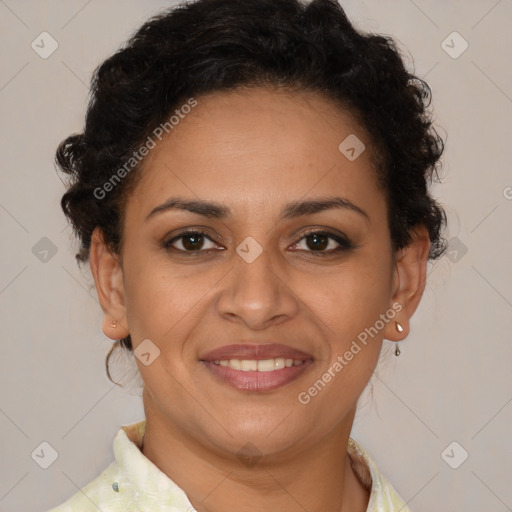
(256,367)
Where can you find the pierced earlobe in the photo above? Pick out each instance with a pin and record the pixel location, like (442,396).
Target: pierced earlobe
(113,329)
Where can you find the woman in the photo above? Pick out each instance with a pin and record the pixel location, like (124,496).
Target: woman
(251,192)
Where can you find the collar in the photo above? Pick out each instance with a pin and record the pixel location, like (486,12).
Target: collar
(138,472)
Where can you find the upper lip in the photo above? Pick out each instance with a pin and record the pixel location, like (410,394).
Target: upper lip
(255,352)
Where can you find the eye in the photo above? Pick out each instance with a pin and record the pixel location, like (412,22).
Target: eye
(190,241)
(323,243)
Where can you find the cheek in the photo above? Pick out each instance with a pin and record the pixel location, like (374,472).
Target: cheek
(352,297)
(163,304)
(350,303)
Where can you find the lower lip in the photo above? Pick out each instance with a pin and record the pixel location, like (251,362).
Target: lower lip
(254,380)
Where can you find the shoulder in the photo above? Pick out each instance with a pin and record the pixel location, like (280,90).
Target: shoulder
(110,490)
(95,494)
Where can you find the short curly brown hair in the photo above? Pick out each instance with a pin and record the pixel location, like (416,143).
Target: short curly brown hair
(220,45)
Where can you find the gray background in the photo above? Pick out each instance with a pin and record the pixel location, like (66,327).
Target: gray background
(453,379)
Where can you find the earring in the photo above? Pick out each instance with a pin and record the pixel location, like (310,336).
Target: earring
(399,328)
(113,323)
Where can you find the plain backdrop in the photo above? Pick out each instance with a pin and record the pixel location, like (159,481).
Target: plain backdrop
(447,397)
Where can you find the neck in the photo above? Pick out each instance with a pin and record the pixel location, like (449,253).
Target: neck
(317,479)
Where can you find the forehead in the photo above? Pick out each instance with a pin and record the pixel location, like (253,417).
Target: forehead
(256,147)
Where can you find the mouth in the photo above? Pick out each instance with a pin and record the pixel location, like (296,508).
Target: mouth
(256,367)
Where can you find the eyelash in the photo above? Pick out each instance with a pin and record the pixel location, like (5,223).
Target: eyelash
(344,243)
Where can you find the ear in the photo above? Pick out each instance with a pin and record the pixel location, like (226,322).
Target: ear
(409,280)
(108,276)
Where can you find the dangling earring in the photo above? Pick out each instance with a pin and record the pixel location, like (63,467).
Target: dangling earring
(399,328)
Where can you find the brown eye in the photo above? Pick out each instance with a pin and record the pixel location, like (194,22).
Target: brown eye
(191,241)
(317,241)
(323,243)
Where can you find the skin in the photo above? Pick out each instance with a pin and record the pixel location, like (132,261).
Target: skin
(254,151)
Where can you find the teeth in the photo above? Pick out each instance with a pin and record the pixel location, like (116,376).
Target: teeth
(236,364)
(262,365)
(279,363)
(247,365)
(266,365)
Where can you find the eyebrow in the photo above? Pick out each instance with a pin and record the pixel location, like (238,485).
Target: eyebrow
(291,210)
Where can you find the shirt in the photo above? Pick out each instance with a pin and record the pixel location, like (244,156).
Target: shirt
(132,483)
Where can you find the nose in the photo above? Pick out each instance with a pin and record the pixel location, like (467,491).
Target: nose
(258,294)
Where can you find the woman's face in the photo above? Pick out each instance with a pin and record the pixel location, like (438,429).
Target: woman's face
(266,160)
